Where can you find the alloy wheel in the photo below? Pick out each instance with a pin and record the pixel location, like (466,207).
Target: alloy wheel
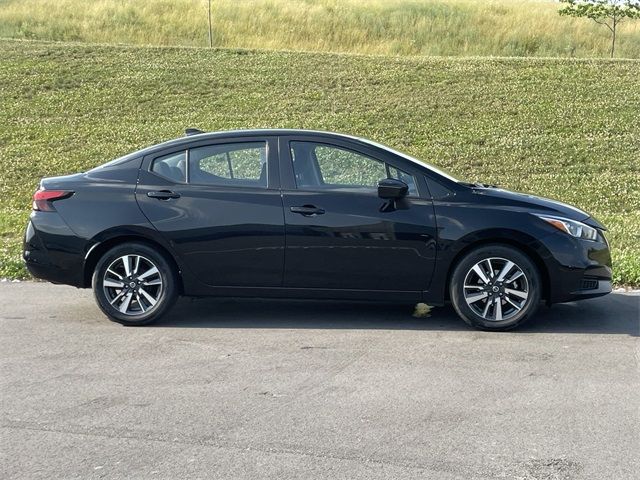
(496,289)
(132,284)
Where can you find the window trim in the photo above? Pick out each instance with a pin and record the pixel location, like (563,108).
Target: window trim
(268,141)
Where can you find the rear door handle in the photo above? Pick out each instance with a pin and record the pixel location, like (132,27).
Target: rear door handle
(163,194)
(307,210)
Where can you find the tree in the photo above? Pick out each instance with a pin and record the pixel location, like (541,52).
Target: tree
(609,13)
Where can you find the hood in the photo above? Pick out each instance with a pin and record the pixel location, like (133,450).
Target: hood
(539,204)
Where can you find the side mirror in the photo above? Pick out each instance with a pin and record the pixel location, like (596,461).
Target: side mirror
(392,189)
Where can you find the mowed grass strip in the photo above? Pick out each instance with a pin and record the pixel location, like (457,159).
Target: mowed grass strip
(566,129)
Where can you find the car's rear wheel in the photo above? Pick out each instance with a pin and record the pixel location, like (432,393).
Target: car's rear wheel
(495,287)
(134,284)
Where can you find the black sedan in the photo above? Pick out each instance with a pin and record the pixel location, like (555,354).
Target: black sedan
(305,214)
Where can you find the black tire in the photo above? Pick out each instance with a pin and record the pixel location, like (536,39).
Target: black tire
(506,315)
(140,310)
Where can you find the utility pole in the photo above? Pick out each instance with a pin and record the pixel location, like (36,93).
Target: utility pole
(210,32)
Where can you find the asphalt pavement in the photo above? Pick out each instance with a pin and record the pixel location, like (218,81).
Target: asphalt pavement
(258,389)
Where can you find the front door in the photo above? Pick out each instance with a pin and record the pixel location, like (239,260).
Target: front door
(219,206)
(340,234)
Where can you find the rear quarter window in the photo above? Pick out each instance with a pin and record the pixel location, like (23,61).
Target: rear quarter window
(172,167)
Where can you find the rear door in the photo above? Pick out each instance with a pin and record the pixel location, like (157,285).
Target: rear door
(218,204)
(339,233)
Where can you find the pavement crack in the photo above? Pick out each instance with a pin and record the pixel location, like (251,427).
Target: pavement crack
(207,442)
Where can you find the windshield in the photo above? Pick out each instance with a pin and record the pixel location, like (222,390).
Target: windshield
(415,160)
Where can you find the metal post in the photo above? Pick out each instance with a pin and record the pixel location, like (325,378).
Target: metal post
(210,32)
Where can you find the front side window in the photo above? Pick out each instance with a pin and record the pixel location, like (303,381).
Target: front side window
(233,164)
(405,177)
(330,167)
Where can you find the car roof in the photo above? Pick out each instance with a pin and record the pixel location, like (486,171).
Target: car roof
(258,132)
(177,142)
(290,132)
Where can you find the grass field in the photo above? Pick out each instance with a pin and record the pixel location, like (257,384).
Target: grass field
(550,127)
(390,27)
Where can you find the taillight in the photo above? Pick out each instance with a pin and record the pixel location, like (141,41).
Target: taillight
(42,199)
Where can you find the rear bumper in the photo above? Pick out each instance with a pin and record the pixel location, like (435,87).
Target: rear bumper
(51,251)
(48,272)
(577,269)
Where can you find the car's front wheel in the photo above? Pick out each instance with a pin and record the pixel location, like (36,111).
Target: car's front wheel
(134,284)
(495,287)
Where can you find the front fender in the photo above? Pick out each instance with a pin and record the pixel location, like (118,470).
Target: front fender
(463,226)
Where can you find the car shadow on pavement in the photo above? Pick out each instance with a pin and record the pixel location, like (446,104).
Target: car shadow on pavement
(615,314)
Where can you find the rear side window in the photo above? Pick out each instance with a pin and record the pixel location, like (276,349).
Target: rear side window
(172,166)
(233,164)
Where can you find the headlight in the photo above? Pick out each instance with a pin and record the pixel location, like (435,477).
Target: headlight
(572,227)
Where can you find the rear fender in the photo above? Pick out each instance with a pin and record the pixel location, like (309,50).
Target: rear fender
(106,240)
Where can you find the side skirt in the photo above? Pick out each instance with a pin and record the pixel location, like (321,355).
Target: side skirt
(307,293)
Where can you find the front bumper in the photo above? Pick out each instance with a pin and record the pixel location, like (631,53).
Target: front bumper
(577,269)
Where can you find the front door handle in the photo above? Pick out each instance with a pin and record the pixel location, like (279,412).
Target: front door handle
(307,210)
(163,194)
